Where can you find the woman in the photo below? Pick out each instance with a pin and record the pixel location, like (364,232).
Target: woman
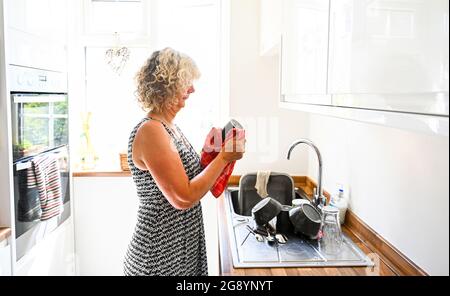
(169,237)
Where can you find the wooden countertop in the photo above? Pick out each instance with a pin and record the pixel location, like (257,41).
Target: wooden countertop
(100,173)
(5,233)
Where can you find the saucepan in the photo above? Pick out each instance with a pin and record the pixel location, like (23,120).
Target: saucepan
(266,210)
(306,220)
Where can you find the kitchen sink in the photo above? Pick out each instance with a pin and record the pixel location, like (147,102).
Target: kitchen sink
(299,251)
(280,186)
(244,209)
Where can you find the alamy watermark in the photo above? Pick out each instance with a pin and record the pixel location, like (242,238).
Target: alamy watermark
(262,138)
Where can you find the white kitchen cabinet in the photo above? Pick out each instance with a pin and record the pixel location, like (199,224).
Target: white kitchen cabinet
(5,258)
(390,54)
(43,18)
(31,51)
(380,61)
(53,256)
(37,33)
(305,51)
(105,216)
(271,26)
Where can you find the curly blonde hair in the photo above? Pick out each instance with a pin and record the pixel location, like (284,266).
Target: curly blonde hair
(165,76)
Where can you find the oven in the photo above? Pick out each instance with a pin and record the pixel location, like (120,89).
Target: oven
(40,139)
(39,111)
(39,123)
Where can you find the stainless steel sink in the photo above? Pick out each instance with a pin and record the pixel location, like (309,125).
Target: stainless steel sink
(298,252)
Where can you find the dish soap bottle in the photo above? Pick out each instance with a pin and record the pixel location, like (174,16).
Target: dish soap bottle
(341,202)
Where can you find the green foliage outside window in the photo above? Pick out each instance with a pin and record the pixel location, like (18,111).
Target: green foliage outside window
(37,122)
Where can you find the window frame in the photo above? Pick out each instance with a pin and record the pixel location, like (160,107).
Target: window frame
(144,32)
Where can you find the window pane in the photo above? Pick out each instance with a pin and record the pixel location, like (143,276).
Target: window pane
(36,132)
(111,98)
(35,108)
(61,131)
(60,108)
(120,16)
(192,27)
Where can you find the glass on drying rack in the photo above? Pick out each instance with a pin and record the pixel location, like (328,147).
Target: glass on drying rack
(330,239)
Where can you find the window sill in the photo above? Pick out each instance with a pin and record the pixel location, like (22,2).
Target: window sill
(100,174)
(99,171)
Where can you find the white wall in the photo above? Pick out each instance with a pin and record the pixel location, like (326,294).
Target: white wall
(254,93)
(398,183)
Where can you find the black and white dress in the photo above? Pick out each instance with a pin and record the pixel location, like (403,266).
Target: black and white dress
(166,241)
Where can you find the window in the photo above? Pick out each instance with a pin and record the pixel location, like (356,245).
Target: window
(121,16)
(189,26)
(193,27)
(110,97)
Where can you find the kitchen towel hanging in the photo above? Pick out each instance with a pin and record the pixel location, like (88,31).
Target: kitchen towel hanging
(262,178)
(210,151)
(45,176)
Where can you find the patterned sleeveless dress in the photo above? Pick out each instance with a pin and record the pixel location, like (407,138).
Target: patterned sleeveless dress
(166,241)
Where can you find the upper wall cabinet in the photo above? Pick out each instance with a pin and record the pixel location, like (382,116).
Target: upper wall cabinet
(271,26)
(42,18)
(389,55)
(37,33)
(305,51)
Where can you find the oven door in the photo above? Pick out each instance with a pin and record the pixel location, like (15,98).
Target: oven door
(39,123)
(29,228)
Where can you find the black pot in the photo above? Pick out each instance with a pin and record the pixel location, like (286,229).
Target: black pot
(306,220)
(266,210)
(284,224)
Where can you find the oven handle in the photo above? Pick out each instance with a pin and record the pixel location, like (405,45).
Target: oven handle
(27,162)
(23,166)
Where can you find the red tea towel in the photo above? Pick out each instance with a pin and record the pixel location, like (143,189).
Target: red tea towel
(45,176)
(210,151)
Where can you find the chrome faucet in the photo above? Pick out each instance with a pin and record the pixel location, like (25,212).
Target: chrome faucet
(318,199)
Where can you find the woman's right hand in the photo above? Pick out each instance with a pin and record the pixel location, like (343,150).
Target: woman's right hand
(233,149)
